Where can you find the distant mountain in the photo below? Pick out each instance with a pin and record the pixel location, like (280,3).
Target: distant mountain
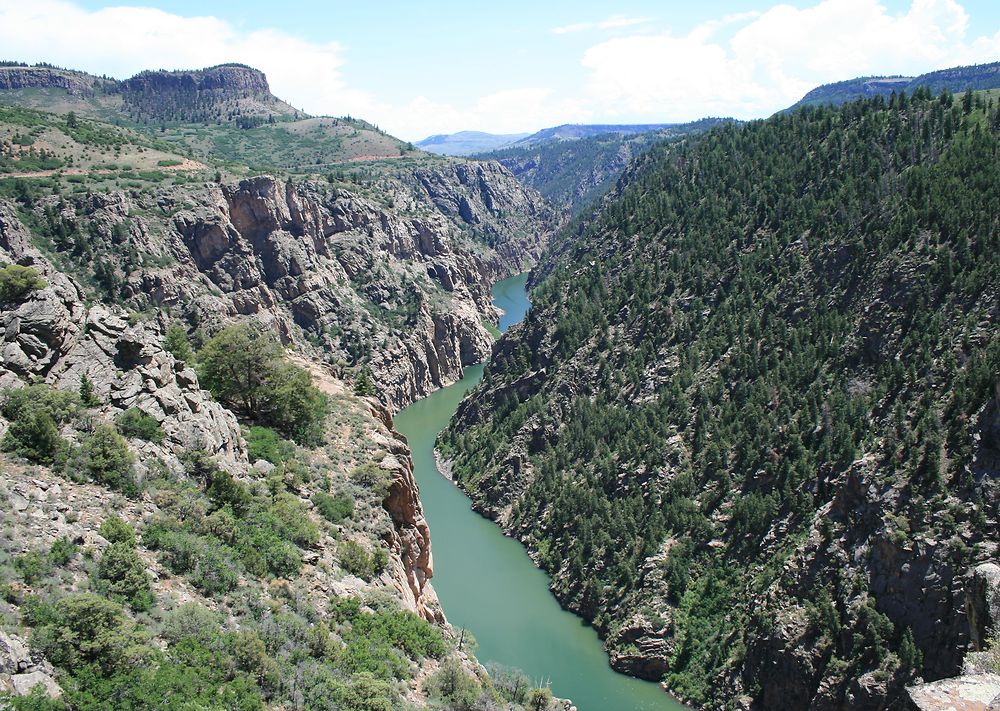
(571,165)
(575,131)
(956,79)
(465,143)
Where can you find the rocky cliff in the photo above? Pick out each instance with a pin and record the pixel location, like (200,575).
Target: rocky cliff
(225,92)
(402,291)
(232,79)
(750,426)
(74,83)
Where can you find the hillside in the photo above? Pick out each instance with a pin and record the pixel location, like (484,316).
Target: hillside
(955,80)
(574,165)
(165,538)
(751,425)
(223,114)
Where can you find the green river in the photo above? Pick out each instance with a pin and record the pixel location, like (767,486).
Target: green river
(487,583)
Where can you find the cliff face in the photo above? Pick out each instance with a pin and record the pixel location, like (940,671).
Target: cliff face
(227,78)
(751,430)
(74,83)
(402,291)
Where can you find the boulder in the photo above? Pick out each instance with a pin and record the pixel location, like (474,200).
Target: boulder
(978,692)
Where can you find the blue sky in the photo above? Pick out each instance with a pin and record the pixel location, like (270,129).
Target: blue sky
(421,68)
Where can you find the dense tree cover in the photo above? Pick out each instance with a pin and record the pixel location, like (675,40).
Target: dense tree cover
(756,311)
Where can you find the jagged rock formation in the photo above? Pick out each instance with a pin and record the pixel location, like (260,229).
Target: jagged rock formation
(54,337)
(21,671)
(403,291)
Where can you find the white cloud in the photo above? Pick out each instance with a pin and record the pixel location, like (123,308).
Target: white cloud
(121,41)
(745,65)
(772,58)
(612,23)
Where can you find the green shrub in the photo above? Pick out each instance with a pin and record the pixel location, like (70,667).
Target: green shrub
(33,566)
(61,551)
(35,413)
(539,699)
(292,520)
(116,530)
(176,342)
(265,443)
(356,560)
(37,700)
(191,621)
(209,566)
(122,577)
(335,509)
(107,459)
(364,385)
(88,396)
(17,281)
(85,628)
(455,686)
(133,422)
(246,369)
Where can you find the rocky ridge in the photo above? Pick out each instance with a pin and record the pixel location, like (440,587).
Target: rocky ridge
(333,272)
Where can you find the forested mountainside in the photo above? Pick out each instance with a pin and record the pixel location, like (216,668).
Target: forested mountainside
(955,79)
(203,500)
(752,423)
(573,171)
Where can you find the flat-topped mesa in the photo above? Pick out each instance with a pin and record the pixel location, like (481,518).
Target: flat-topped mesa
(225,92)
(226,78)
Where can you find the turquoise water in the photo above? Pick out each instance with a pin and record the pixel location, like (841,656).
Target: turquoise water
(487,583)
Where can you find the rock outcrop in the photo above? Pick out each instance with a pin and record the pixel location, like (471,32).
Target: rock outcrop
(983,605)
(21,670)
(53,336)
(74,83)
(233,79)
(977,692)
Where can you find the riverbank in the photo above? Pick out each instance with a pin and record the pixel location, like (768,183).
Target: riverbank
(487,583)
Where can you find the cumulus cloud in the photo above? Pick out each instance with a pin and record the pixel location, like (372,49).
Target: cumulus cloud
(612,23)
(121,41)
(764,62)
(747,65)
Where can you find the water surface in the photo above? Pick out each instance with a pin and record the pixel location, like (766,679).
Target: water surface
(487,583)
